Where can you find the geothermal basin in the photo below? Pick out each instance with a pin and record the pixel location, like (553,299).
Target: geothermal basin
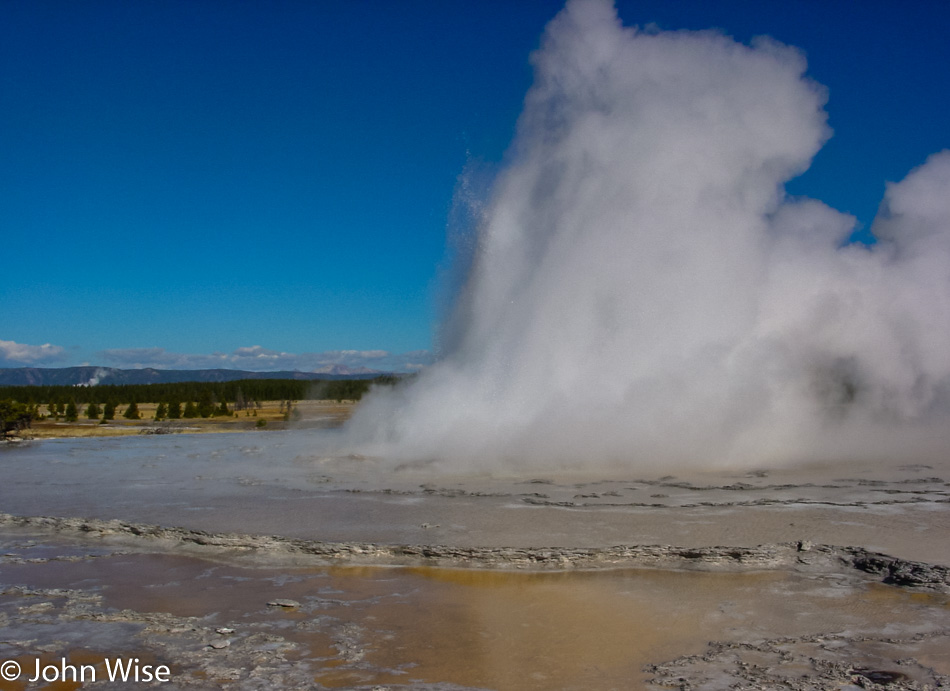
(255,560)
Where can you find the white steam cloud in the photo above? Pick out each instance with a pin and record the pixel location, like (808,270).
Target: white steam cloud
(643,291)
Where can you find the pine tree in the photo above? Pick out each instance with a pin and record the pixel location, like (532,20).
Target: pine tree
(205,404)
(14,417)
(92,411)
(108,411)
(72,414)
(161,412)
(174,410)
(190,410)
(132,412)
(222,409)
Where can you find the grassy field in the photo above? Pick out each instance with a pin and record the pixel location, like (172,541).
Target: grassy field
(308,414)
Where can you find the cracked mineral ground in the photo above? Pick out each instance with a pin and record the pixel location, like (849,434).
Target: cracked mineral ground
(247,561)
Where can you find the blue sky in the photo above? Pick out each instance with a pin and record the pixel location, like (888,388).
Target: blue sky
(267,185)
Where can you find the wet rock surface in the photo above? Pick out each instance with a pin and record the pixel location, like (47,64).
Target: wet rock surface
(802,555)
(325,636)
(806,663)
(827,577)
(53,622)
(281,484)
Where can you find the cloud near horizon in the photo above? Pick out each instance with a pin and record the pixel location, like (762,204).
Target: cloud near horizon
(22,354)
(259,359)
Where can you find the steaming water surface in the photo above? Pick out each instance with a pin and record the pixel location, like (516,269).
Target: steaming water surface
(280,483)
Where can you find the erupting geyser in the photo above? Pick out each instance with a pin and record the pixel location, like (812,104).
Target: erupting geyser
(643,291)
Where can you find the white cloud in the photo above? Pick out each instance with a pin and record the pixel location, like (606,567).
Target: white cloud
(256,352)
(19,354)
(352,355)
(259,359)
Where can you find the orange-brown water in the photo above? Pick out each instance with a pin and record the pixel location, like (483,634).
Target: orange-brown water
(490,629)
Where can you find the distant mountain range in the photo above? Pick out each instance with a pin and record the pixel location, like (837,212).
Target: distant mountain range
(92,376)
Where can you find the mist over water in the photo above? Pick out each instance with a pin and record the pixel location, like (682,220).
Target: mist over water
(642,291)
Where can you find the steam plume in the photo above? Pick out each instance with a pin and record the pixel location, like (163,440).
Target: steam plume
(643,291)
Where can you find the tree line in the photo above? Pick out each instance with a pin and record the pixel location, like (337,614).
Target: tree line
(232,391)
(19,404)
